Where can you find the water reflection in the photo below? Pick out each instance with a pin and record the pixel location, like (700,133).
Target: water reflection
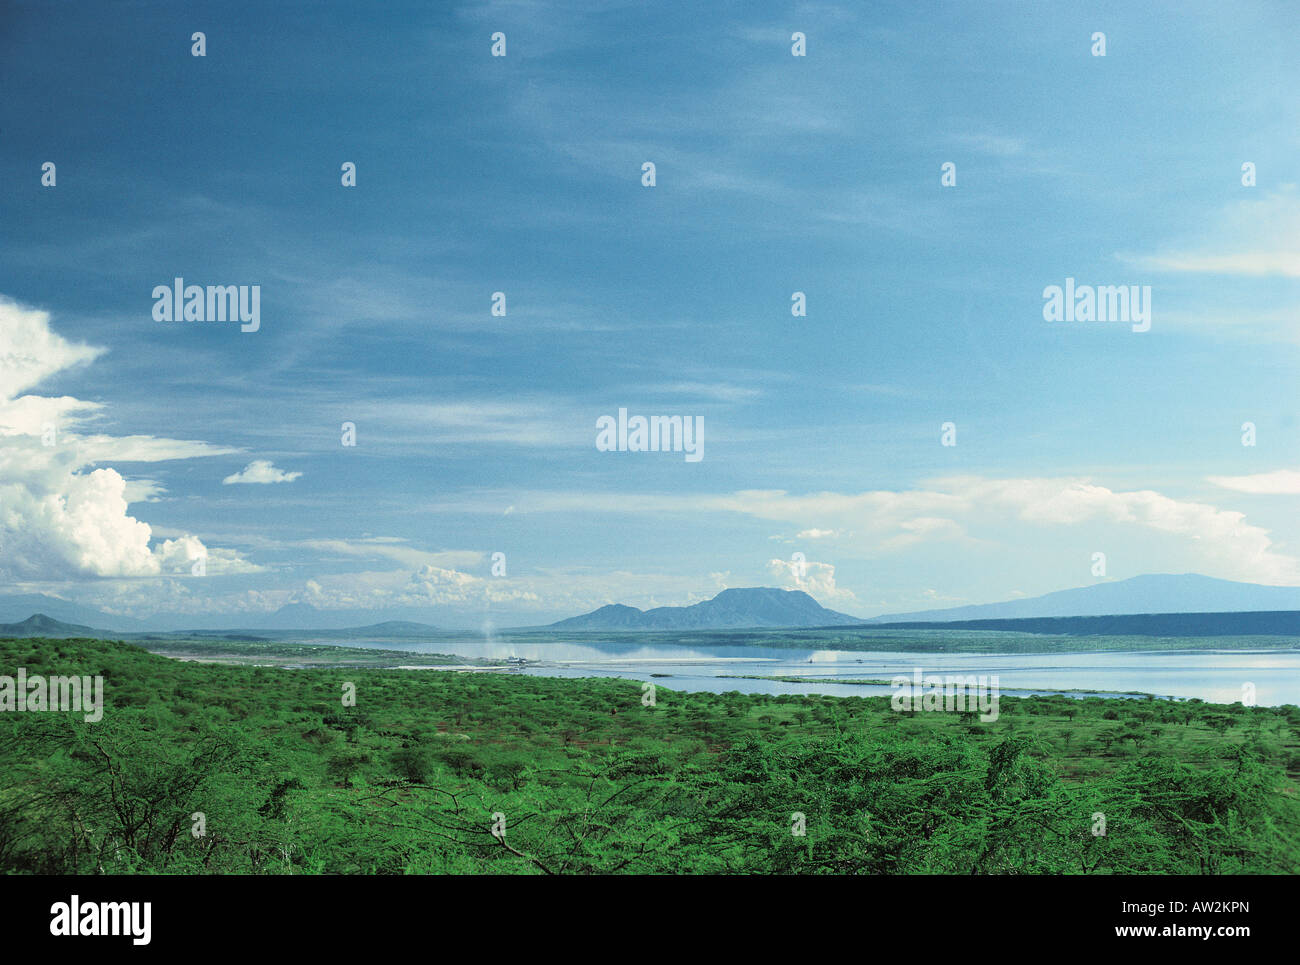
(1213,675)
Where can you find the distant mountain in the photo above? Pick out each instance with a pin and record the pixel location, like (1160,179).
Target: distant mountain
(387,630)
(39,625)
(292,616)
(305,617)
(18,606)
(394,628)
(1277,623)
(730,609)
(1155,593)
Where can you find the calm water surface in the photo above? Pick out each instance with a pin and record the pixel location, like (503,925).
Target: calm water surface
(1212,675)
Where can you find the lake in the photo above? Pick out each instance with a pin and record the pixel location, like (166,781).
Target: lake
(1211,675)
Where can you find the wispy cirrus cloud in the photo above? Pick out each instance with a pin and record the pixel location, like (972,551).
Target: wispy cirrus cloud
(394,548)
(1253,238)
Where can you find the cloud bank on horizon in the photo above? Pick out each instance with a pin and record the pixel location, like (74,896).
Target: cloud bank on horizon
(411,429)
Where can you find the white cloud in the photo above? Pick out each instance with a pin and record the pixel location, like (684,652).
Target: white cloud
(1253,263)
(59,521)
(33,415)
(80,529)
(721,391)
(545,422)
(31,352)
(428,586)
(394,549)
(261,472)
(815,579)
(1280,482)
(1240,246)
(100,448)
(976,510)
(921,529)
(1255,237)
(1218,539)
(177,557)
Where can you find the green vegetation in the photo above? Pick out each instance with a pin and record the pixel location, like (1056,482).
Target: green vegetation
(275,653)
(587,779)
(888,681)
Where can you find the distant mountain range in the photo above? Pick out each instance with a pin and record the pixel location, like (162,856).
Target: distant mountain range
(729,610)
(1280,623)
(1154,593)
(16,607)
(1276,623)
(1168,596)
(43,625)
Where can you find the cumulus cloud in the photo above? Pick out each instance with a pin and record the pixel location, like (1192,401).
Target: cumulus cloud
(30,351)
(60,518)
(82,528)
(178,557)
(260,471)
(815,579)
(427,586)
(437,584)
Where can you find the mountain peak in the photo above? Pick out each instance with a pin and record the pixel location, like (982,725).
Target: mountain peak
(40,625)
(733,608)
(759,592)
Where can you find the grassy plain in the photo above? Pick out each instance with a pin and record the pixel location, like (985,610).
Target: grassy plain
(280,775)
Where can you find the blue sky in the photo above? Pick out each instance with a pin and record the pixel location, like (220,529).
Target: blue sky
(522,174)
